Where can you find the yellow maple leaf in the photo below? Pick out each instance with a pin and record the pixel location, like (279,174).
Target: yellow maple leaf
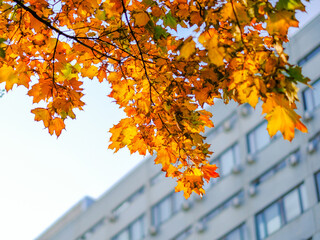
(279,22)
(42,114)
(187,49)
(281,116)
(13,76)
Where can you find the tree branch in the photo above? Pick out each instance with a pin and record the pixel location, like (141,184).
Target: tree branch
(48,24)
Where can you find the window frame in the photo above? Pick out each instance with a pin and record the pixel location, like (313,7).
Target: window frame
(235,149)
(221,207)
(314,106)
(317,180)
(309,56)
(174,209)
(241,228)
(253,133)
(128,201)
(128,228)
(274,169)
(282,211)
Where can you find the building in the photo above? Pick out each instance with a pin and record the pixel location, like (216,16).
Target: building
(269,189)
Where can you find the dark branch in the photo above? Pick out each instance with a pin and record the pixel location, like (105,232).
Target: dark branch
(48,24)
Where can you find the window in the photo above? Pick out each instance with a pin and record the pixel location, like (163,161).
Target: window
(258,138)
(281,212)
(309,56)
(274,169)
(238,233)
(228,160)
(317,176)
(125,204)
(311,97)
(225,162)
(135,231)
(216,211)
(314,141)
(91,230)
(166,208)
(157,178)
(184,234)
(226,125)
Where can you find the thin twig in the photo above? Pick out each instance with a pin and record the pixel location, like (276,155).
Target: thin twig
(48,24)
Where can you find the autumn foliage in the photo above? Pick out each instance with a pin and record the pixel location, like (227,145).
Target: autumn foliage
(161,81)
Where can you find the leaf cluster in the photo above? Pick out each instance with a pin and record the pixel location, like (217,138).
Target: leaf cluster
(161,81)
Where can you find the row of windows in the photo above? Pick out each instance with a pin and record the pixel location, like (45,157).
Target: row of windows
(309,56)
(125,204)
(234,200)
(135,231)
(292,158)
(239,233)
(281,212)
(184,234)
(166,208)
(171,204)
(86,235)
(268,221)
(311,97)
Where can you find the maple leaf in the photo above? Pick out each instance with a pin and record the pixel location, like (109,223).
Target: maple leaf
(290,5)
(279,23)
(187,49)
(209,171)
(281,117)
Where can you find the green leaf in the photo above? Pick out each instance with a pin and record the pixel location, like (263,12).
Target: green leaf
(148,2)
(290,5)
(2,53)
(295,72)
(101,15)
(160,32)
(170,21)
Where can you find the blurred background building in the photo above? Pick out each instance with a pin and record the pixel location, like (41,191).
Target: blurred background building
(269,188)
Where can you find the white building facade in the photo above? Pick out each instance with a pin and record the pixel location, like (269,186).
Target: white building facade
(269,188)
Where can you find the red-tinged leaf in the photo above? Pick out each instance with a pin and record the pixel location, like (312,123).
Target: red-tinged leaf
(209,171)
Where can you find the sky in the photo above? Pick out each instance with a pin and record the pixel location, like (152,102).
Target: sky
(41,176)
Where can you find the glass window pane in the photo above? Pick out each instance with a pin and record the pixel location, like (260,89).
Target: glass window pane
(273,218)
(262,136)
(244,232)
(165,209)
(178,200)
(304,197)
(260,227)
(308,100)
(226,162)
(183,235)
(318,184)
(316,93)
(251,143)
(292,205)
(123,235)
(136,229)
(236,154)
(234,235)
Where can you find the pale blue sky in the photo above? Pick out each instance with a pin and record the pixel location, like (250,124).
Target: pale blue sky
(41,176)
